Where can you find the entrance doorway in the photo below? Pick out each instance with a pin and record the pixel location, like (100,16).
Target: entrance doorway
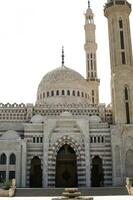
(97,174)
(35,173)
(66,167)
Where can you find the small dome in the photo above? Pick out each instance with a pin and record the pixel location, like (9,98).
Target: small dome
(37,119)
(62,86)
(95,119)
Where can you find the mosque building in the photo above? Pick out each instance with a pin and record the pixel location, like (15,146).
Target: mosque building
(67,138)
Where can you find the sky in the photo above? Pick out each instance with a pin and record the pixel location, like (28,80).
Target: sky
(32,33)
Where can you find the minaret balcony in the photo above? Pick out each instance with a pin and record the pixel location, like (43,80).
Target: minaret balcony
(117,2)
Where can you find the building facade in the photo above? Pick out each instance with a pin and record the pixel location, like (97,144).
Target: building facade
(68,138)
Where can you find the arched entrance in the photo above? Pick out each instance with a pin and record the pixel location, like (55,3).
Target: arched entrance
(66,167)
(35,173)
(97,174)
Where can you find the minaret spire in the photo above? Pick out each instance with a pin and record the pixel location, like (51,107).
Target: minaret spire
(90,50)
(88,4)
(62,56)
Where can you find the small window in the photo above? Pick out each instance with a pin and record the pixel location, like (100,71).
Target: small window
(3,159)
(47,94)
(44,95)
(120,23)
(11,175)
(95,140)
(98,139)
(78,93)
(63,92)
(93,100)
(123,58)
(12,159)
(34,139)
(85,95)
(82,94)
(126,93)
(57,92)
(127,112)
(41,139)
(37,139)
(73,93)
(91,64)
(102,139)
(68,92)
(52,93)
(88,65)
(122,40)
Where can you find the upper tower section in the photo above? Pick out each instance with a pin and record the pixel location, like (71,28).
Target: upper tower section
(90,50)
(117,12)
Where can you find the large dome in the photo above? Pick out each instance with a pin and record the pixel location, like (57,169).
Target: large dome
(63,85)
(62,73)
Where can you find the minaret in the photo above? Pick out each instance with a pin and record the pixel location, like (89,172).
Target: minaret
(120,45)
(62,56)
(90,49)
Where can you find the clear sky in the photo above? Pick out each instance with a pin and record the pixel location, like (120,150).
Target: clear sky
(32,33)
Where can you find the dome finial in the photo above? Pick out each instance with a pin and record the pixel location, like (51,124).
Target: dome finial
(88,4)
(62,56)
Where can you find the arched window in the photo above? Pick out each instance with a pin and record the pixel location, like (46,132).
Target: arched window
(82,94)
(47,94)
(95,140)
(126,94)
(43,94)
(68,92)
(52,93)
(78,93)
(63,92)
(73,93)
(85,95)
(120,23)
(3,159)
(12,159)
(57,92)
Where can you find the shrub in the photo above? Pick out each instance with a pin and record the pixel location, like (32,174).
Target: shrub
(7,184)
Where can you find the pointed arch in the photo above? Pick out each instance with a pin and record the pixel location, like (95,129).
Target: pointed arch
(80,158)
(3,159)
(12,159)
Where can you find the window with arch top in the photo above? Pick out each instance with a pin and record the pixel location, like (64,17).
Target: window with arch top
(127,108)
(12,159)
(3,159)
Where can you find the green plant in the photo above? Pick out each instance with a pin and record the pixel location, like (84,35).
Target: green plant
(7,184)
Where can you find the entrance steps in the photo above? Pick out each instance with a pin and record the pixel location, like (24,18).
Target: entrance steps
(52,192)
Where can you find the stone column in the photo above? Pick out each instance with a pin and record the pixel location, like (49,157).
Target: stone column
(18,165)
(49,124)
(84,125)
(23,162)
(7,166)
